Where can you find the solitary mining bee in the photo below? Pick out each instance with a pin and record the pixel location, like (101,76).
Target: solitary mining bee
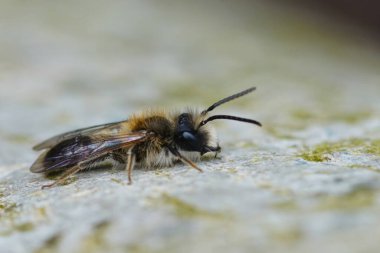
(154,138)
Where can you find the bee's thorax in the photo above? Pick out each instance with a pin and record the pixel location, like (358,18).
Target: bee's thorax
(166,130)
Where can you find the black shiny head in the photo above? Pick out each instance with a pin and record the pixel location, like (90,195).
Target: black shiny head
(188,138)
(191,137)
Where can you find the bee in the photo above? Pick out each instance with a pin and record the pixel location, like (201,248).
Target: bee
(151,139)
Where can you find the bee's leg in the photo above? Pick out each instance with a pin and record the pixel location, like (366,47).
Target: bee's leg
(193,165)
(113,160)
(65,175)
(184,159)
(130,164)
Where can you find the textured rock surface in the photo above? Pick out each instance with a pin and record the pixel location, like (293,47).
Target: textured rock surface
(308,181)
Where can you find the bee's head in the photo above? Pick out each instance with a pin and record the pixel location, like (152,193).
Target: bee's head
(189,137)
(191,134)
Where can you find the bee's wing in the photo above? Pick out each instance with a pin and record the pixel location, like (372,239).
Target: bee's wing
(80,148)
(65,136)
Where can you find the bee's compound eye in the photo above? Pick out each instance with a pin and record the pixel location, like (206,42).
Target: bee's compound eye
(188,136)
(189,141)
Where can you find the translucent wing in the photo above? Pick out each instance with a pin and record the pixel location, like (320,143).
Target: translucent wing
(83,131)
(71,151)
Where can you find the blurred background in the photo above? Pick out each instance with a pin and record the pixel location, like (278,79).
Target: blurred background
(74,64)
(71,64)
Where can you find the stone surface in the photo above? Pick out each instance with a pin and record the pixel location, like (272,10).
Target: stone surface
(308,181)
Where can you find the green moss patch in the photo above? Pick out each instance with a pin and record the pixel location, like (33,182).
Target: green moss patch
(119,181)
(10,219)
(356,199)
(321,152)
(187,210)
(50,245)
(54,175)
(373,148)
(287,205)
(24,227)
(2,194)
(95,241)
(9,212)
(288,235)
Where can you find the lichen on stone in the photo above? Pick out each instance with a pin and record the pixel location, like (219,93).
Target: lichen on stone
(323,151)
(359,198)
(50,245)
(186,210)
(95,241)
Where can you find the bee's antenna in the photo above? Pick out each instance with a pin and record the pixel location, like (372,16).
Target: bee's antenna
(229,117)
(227,99)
